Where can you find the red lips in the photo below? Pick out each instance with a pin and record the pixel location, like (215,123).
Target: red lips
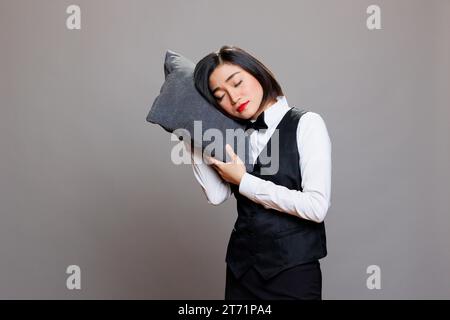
(242,106)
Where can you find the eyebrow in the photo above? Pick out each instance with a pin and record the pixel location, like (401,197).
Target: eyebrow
(225,81)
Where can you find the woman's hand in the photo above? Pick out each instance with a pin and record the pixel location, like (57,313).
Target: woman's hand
(231,172)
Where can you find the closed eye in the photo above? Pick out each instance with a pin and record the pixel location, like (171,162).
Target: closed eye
(236,85)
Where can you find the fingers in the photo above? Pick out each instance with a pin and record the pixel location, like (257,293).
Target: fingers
(234,157)
(230,151)
(209,160)
(212,161)
(215,164)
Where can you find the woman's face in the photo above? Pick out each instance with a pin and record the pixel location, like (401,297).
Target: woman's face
(236,91)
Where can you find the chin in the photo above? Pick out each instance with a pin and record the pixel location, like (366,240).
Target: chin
(251,114)
(246,115)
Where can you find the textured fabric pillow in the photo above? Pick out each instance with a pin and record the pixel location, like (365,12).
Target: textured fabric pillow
(179,104)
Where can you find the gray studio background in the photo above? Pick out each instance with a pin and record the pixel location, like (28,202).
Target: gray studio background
(85,180)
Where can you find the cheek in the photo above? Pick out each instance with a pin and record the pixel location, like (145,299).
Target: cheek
(226,107)
(254,88)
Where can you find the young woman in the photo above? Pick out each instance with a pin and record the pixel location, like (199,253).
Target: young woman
(279,235)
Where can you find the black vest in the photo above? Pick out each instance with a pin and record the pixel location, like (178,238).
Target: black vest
(267,239)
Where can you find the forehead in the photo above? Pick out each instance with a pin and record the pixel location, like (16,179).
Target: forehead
(222,72)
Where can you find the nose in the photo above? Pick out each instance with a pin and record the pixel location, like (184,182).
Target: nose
(233,97)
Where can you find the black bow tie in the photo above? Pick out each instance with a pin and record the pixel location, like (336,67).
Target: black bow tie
(258,124)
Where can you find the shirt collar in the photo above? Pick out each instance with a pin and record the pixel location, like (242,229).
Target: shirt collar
(274,114)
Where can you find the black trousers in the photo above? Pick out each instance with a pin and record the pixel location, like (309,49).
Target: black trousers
(302,282)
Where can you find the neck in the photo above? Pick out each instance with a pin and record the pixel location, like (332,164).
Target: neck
(263,108)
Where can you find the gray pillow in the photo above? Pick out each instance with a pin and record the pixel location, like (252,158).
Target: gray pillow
(179,104)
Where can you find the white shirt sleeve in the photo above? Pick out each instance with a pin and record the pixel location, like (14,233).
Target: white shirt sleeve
(215,188)
(312,203)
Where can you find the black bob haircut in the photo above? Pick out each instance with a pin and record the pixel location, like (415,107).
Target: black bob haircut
(237,56)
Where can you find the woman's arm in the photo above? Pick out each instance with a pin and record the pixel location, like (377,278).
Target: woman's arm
(215,188)
(312,203)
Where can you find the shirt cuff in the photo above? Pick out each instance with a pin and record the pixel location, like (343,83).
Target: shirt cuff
(248,185)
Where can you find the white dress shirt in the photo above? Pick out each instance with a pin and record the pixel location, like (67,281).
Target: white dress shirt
(314,148)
